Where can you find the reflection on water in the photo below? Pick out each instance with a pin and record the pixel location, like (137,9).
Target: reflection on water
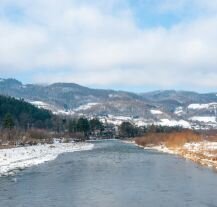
(112,175)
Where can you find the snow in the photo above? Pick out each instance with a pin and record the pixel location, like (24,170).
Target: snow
(184,124)
(201,146)
(179,110)
(122,118)
(38,103)
(208,149)
(41,104)
(86,106)
(140,122)
(63,112)
(12,160)
(197,106)
(114,95)
(205,119)
(171,123)
(156,112)
(204,152)
(161,148)
(116,120)
(53,109)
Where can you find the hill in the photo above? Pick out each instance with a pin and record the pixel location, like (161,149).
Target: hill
(24,114)
(170,107)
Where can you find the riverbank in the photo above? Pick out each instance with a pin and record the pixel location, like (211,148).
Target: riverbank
(15,159)
(203,153)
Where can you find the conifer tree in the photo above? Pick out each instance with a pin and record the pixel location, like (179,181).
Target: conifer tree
(8,122)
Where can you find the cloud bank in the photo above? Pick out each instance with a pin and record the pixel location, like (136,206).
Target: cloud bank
(104,45)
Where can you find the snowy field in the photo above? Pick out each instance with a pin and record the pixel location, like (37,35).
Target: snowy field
(197,106)
(15,159)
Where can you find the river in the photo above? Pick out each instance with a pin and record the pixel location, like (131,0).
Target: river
(113,174)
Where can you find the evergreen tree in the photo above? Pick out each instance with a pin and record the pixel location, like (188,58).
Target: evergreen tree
(95,124)
(127,129)
(83,125)
(8,122)
(72,126)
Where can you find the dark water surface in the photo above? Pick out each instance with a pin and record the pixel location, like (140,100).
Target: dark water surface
(113,174)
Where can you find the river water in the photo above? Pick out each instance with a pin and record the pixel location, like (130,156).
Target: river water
(113,174)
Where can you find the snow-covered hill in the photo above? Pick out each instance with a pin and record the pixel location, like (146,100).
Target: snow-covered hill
(187,109)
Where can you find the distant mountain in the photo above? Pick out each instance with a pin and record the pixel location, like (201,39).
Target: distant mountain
(162,107)
(69,96)
(181,97)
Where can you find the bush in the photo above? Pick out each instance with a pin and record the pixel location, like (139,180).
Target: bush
(178,139)
(38,134)
(10,136)
(171,140)
(151,139)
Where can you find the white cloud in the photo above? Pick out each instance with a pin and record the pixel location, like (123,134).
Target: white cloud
(101,46)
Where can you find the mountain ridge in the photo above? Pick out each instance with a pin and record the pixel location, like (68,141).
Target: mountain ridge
(155,106)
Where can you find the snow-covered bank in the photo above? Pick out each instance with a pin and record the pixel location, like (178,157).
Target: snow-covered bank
(12,160)
(161,148)
(204,152)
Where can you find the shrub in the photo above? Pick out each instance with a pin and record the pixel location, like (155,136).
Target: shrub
(151,139)
(171,140)
(178,139)
(38,134)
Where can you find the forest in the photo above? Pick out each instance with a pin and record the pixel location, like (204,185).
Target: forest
(22,114)
(21,122)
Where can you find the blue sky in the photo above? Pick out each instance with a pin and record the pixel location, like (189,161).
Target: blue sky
(136,45)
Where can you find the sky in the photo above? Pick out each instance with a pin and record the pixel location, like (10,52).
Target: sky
(135,45)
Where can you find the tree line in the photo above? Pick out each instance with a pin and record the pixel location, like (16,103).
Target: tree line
(87,127)
(130,130)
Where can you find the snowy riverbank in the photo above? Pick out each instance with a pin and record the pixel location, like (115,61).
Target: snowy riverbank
(15,159)
(204,152)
